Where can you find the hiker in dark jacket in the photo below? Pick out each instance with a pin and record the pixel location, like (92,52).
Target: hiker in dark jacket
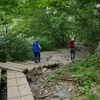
(36,50)
(71,46)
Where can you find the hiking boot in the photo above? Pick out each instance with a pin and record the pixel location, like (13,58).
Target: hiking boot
(71,58)
(36,62)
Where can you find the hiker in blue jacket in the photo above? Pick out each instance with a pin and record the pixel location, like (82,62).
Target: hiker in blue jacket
(36,50)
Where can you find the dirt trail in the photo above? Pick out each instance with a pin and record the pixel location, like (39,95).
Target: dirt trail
(63,55)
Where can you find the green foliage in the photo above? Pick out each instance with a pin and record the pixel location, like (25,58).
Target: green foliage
(91,96)
(85,42)
(3,78)
(46,44)
(98,90)
(87,75)
(58,82)
(50,78)
(14,47)
(84,90)
(53,20)
(8,58)
(60,70)
(59,73)
(34,71)
(86,72)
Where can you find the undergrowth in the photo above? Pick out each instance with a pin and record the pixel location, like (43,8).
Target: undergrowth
(87,76)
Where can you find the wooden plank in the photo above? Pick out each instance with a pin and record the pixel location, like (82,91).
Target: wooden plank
(12,92)
(24,90)
(15,98)
(30,64)
(17,86)
(11,82)
(17,65)
(14,74)
(28,97)
(44,62)
(20,75)
(22,81)
(15,78)
(3,66)
(11,74)
(23,66)
(41,64)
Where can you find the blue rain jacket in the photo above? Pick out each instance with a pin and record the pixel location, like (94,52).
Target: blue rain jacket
(36,46)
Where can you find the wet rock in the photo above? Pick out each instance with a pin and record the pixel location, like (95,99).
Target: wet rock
(63,93)
(57,88)
(64,98)
(44,69)
(34,89)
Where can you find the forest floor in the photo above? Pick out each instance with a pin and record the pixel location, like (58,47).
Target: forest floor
(63,55)
(42,89)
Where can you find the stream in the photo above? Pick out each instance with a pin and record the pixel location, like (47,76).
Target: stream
(51,90)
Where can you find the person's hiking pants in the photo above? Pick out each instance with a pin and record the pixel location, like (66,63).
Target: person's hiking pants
(37,57)
(72,53)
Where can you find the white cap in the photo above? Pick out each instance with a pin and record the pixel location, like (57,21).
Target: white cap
(73,39)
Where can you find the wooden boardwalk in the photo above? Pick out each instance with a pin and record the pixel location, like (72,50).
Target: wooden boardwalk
(17,85)
(21,66)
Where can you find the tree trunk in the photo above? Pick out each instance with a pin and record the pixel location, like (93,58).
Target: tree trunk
(99,49)
(6,29)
